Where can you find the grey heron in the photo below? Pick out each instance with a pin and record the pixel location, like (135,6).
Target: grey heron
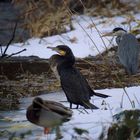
(128,49)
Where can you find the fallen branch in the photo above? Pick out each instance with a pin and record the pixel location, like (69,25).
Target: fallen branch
(3,53)
(15,53)
(13,36)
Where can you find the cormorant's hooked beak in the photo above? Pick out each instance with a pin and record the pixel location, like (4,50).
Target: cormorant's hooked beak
(108,34)
(61,52)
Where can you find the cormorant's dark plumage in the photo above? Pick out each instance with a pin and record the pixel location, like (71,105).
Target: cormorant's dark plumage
(73,83)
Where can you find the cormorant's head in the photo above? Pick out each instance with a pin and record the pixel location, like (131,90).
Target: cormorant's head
(62,50)
(118,31)
(65,57)
(37,102)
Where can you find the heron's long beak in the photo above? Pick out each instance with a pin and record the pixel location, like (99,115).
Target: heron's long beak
(52,48)
(108,34)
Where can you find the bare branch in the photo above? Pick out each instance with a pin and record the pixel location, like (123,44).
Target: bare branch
(15,53)
(13,36)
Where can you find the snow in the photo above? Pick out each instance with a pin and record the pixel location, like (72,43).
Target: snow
(92,120)
(95,121)
(88,41)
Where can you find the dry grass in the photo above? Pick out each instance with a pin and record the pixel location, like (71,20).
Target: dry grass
(43,18)
(50,17)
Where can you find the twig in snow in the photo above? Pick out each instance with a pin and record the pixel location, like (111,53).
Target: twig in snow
(16,53)
(121,104)
(110,111)
(12,38)
(137,100)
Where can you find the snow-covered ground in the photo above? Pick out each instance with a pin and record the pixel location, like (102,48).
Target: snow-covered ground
(84,40)
(82,46)
(97,120)
(94,121)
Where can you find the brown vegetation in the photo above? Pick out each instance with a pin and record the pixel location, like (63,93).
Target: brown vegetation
(50,17)
(43,18)
(31,76)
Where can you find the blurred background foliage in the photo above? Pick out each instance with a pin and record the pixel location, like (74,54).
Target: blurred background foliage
(49,17)
(41,18)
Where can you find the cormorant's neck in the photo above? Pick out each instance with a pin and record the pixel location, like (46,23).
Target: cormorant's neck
(67,62)
(68,59)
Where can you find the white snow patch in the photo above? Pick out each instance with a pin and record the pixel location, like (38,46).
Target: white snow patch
(88,41)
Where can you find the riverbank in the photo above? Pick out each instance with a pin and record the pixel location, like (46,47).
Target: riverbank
(32,76)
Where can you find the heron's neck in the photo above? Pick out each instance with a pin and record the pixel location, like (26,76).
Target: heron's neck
(118,39)
(120,34)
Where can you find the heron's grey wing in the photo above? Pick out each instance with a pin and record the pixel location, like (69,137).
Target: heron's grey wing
(128,49)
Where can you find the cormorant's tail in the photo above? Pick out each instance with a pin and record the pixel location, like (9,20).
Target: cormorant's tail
(89,106)
(101,95)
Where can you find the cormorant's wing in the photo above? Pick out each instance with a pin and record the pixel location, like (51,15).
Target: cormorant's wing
(74,85)
(92,92)
(73,82)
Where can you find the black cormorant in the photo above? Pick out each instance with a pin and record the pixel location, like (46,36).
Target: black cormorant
(74,84)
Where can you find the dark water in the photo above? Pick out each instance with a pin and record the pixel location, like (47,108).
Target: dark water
(8,17)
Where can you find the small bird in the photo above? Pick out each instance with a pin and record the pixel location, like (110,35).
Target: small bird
(74,84)
(128,49)
(48,114)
